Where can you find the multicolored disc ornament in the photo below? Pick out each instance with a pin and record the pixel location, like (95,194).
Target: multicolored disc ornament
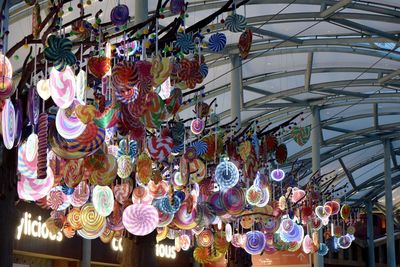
(217,42)
(103,200)
(235,23)
(255,242)
(226,174)
(8,124)
(197,126)
(140,219)
(119,15)
(80,195)
(233,199)
(245,41)
(35,189)
(62,87)
(205,238)
(93,224)
(69,126)
(277,175)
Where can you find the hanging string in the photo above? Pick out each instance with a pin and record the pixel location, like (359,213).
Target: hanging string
(157,26)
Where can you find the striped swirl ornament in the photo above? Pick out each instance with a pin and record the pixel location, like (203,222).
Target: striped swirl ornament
(140,219)
(217,42)
(235,23)
(255,242)
(93,224)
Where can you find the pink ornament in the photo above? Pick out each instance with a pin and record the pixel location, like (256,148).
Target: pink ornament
(35,189)
(69,127)
(62,87)
(140,219)
(197,126)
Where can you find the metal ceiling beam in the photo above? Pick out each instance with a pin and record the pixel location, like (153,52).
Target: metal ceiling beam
(314,87)
(348,174)
(313,45)
(376,115)
(393,155)
(265,92)
(374,182)
(350,136)
(280,115)
(276,35)
(389,77)
(282,105)
(345,93)
(334,8)
(378,192)
(248,81)
(367,29)
(336,129)
(302,17)
(380,207)
(307,77)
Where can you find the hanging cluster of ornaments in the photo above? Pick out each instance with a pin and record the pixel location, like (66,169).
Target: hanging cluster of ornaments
(128,163)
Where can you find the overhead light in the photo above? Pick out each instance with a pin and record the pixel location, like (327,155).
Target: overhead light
(329,11)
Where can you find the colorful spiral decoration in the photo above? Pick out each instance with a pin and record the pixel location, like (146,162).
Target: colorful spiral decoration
(184,41)
(8,124)
(74,218)
(93,224)
(255,242)
(35,189)
(185,219)
(233,200)
(217,42)
(140,219)
(254,195)
(235,23)
(226,174)
(80,195)
(205,238)
(58,51)
(197,126)
(277,175)
(69,127)
(62,87)
(119,15)
(103,200)
(25,167)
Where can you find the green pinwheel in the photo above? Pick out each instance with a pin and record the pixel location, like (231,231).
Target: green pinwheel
(58,51)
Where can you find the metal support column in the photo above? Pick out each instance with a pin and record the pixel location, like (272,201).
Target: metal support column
(370,235)
(141,10)
(316,163)
(391,255)
(236,88)
(86,252)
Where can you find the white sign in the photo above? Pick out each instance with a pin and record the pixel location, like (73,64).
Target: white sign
(165,251)
(35,228)
(162,251)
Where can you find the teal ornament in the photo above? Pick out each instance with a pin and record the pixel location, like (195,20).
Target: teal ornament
(184,41)
(58,51)
(235,23)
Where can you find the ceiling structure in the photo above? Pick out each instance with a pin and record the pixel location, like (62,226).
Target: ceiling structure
(305,53)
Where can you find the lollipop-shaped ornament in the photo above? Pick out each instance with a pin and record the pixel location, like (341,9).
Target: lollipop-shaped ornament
(119,15)
(217,42)
(197,126)
(277,175)
(226,174)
